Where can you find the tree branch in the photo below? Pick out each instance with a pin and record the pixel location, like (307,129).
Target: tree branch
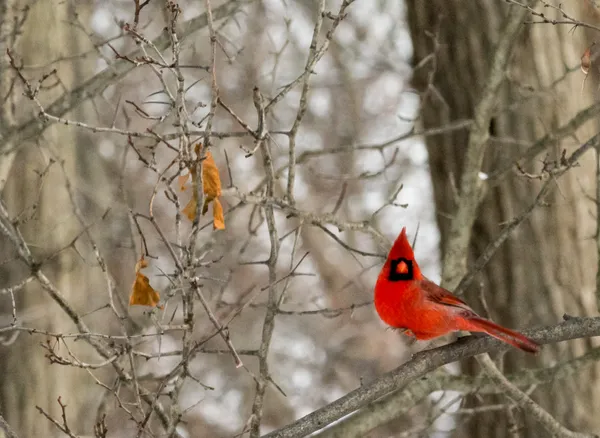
(523,400)
(455,259)
(423,363)
(402,400)
(96,85)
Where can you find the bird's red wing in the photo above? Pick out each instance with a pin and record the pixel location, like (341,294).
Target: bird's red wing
(439,295)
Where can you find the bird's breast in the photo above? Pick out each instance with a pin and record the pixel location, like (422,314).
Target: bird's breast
(396,303)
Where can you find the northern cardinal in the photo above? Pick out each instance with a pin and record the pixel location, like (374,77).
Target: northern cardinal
(405,299)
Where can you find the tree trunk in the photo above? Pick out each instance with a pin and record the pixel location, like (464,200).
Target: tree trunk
(35,191)
(547,267)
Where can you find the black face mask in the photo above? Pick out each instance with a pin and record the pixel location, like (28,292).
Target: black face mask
(401,276)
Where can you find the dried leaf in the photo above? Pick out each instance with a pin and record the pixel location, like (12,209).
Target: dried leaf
(586,61)
(211,186)
(181,180)
(190,209)
(218,217)
(211,181)
(141,292)
(590,65)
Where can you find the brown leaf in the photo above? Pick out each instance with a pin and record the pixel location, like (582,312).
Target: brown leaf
(181,180)
(141,292)
(590,64)
(211,181)
(218,217)
(586,61)
(190,209)
(211,186)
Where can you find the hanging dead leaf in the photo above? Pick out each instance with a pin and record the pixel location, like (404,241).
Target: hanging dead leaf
(590,65)
(211,186)
(218,216)
(181,180)
(211,181)
(190,209)
(141,292)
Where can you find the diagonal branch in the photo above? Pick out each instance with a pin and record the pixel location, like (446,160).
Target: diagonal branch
(422,364)
(523,400)
(405,398)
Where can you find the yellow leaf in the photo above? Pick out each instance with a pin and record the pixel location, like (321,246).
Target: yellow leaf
(218,217)
(141,292)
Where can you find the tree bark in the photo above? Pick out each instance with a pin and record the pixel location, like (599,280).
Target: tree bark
(34,189)
(547,267)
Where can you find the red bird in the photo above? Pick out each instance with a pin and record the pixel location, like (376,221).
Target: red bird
(405,299)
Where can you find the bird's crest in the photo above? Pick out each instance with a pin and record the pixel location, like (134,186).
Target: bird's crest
(401,260)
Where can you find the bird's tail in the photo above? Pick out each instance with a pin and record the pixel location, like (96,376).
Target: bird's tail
(477,324)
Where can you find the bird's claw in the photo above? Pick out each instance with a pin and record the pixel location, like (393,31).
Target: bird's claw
(404,331)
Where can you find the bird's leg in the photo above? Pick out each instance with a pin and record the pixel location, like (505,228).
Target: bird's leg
(408,333)
(412,338)
(403,331)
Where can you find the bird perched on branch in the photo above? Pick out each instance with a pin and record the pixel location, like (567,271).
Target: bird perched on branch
(406,299)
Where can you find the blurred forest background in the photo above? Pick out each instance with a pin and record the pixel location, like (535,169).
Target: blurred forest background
(332,125)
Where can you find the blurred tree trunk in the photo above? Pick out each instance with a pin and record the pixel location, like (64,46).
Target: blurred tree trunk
(7,116)
(35,191)
(548,266)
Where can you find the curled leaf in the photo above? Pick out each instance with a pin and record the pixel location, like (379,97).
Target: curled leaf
(141,292)
(589,63)
(211,180)
(586,61)
(211,186)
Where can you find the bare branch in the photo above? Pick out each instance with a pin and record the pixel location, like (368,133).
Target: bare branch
(455,257)
(423,363)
